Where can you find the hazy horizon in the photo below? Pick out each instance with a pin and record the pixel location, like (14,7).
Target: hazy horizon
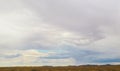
(59,32)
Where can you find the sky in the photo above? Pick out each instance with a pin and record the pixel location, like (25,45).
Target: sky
(59,32)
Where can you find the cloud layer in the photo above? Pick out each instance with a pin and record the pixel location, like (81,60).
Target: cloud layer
(64,32)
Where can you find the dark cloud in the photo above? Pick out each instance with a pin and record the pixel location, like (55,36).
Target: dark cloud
(107,60)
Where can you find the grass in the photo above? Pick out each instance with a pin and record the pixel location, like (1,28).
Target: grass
(65,68)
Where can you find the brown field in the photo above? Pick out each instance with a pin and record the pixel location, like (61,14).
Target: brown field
(66,68)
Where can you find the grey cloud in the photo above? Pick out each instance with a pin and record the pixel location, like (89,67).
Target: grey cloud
(53,24)
(11,56)
(83,17)
(7,6)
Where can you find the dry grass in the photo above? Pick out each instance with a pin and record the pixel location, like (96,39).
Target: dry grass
(67,68)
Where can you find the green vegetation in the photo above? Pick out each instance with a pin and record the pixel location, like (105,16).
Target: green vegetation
(66,68)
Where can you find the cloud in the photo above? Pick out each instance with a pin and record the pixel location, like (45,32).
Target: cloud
(59,32)
(83,17)
(33,57)
(108,60)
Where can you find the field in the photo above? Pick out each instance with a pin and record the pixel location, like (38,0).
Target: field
(65,68)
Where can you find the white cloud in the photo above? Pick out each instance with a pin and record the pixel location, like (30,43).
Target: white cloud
(34,53)
(34,58)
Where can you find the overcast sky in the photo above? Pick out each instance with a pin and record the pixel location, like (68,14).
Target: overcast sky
(59,32)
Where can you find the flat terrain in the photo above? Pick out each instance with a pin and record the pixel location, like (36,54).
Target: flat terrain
(66,68)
